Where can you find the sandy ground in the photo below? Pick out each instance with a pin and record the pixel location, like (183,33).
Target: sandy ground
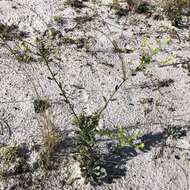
(142,104)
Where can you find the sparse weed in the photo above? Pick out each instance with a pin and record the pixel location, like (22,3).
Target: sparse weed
(138,6)
(10,154)
(91,160)
(14,160)
(75,4)
(90,157)
(148,52)
(174,132)
(90,163)
(45,51)
(87,126)
(173,9)
(40,106)
(133,140)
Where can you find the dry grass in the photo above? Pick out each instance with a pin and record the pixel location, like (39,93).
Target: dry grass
(50,138)
(49,133)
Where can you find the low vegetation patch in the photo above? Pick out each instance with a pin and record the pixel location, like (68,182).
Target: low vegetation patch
(90,151)
(174,8)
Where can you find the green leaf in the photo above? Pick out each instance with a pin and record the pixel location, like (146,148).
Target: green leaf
(140,146)
(49,78)
(131,141)
(105,99)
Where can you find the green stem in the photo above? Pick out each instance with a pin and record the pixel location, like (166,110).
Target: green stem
(59,85)
(110,98)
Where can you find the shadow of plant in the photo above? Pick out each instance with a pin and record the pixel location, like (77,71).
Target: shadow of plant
(114,164)
(115,161)
(152,140)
